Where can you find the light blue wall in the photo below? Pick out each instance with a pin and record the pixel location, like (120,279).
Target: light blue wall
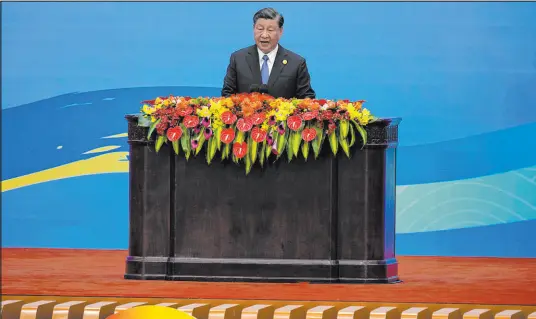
(461,75)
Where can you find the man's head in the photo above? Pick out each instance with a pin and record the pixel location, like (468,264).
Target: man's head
(267,29)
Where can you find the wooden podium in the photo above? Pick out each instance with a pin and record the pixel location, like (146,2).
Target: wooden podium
(326,220)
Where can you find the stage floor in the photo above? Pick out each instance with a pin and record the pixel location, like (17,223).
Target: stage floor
(99,273)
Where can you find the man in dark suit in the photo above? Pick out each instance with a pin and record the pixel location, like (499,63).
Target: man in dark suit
(266,62)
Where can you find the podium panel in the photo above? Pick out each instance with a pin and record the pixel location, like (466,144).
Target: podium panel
(330,219)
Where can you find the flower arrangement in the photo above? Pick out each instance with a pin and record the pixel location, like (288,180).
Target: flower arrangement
(254,127)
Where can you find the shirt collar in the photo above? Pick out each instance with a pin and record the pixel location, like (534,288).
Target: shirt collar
(271,55)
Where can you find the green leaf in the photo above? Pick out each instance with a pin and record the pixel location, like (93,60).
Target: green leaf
(352,135)
(305,150)
(201,141)
(248,164)
(343,128)
(317,142)
(333,142)
(212,146)
(207,153)
(253,149)
(151,128)
(296,141)
(262,153)
(185,142)
(226,151)
(159,141)
(362,132)
(176,146)
(344,145)
(289,150)
(268,152)
(281,143)
(217,135)
(239,137)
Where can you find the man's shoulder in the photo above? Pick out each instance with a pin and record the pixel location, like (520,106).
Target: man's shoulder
(293,55)
(243,51)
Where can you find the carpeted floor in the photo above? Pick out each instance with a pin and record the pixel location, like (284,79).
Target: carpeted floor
(99,273)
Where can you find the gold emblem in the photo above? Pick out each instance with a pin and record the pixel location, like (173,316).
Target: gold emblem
(284,61)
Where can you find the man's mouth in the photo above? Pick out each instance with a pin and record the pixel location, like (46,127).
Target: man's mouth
(265,42)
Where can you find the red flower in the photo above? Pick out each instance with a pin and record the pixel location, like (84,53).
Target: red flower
(244,124)
(227,135)
(258,118)
(307,116)
(327,115)
(174,133)
(294,122)
(308,134)
(258,135)
(191,121)
(228,117)
(183,111)
(161,127)
(322,102)
(240,149)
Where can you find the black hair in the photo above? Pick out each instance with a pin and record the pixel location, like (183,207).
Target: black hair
(270,14)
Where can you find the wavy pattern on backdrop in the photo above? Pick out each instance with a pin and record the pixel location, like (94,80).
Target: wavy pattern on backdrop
(71,149)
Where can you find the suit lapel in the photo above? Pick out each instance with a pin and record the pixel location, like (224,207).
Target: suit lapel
(278,66)
(252,59)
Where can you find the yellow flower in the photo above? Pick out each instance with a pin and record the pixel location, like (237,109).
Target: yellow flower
(346,106)
(148,110)
(352,111)
(364,117)
(216,123)
(265,126)
(227,102)
(217,108)
(284,109)
(153,119)
(204,112)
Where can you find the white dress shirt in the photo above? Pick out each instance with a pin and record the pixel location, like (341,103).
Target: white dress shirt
(271,58)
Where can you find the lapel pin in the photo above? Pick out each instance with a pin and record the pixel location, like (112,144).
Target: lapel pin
(284,61)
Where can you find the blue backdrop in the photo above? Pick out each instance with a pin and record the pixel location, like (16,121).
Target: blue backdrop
(461,75)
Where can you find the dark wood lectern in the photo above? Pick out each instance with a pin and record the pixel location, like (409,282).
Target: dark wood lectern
(326,220)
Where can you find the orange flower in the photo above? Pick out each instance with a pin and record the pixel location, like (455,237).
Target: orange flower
(314,107)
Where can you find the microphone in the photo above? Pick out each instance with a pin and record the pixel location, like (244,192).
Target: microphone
(253,88)
(263,88)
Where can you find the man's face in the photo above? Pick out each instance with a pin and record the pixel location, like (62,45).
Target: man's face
(267,34)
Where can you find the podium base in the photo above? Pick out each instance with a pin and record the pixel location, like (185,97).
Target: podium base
(262,270)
